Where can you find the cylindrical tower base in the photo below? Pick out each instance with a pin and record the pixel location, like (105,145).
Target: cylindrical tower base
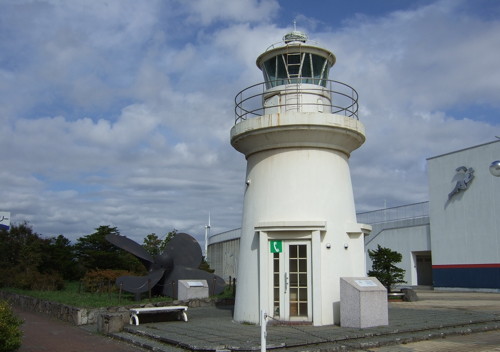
(299,230)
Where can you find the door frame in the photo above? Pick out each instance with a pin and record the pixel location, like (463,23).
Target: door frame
(414,266)
(285,281)
(290,230)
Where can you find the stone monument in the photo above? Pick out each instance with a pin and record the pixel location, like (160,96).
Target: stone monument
(363,303)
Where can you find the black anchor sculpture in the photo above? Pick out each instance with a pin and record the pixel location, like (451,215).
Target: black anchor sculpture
(179,261)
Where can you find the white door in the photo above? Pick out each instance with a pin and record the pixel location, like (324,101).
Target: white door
(291,282)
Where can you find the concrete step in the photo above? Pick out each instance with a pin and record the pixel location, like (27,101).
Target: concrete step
(146,342)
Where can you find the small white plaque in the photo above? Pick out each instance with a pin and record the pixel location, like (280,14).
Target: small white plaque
(195,284)
(365,283)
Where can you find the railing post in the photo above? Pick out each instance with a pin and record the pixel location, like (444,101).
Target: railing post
(120,293)
(149,288)
(173,290)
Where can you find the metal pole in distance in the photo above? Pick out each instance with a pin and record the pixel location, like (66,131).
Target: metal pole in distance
(263,330)
(149,288)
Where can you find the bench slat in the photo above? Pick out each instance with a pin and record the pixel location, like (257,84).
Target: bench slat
(134,312)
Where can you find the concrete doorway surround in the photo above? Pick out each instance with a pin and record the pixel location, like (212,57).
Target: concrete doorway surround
(280,294)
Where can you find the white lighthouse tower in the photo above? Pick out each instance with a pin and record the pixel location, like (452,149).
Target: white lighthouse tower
(299,230)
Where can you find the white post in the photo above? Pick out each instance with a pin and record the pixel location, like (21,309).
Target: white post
(207,233)
(263,332)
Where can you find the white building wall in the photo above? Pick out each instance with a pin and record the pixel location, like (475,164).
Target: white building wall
(223,250)
(466,228)
(405,237)
(223,258)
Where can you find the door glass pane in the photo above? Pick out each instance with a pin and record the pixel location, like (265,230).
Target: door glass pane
(276,285)
(303,309)
(302,251)
(297,264)
(303,280)
(303,265)
(294,309)
(303,294)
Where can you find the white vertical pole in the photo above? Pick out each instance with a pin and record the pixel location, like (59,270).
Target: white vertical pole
(207,231)
(263,330)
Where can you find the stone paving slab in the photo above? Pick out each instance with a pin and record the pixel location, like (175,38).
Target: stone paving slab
(479,342)
(211,328)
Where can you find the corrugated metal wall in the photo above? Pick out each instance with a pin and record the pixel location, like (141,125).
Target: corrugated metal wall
(223,257)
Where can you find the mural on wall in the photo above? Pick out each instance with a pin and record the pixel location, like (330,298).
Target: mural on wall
(463,178)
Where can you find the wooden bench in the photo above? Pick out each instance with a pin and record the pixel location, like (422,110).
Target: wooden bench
(134,312)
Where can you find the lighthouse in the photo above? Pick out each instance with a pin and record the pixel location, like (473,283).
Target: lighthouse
(299,232)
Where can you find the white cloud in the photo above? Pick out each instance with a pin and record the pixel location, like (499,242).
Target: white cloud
(118,113)
(206,12)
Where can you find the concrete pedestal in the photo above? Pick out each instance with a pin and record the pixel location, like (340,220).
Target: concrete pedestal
(189,289)
(363,302)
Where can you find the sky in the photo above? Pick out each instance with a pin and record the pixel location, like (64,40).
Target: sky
(118,112)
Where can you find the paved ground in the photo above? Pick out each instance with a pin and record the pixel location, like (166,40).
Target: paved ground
(479,342)
(452,321)
(43,333)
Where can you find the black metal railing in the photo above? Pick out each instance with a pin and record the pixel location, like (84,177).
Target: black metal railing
(340,98)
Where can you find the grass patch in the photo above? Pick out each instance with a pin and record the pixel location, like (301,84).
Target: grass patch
(74,295)
(228,293)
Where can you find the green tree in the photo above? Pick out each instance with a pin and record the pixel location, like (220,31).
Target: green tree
(168,237)
(59,256)
(205,266)
(21,255)
(383,268)
(95,252)
(20,247)
(152,244)
(26,259)
(155,245)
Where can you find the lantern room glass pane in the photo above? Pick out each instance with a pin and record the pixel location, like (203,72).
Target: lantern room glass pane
(270,70)
(282,76)
(320,69)
(307,69)
(296,68)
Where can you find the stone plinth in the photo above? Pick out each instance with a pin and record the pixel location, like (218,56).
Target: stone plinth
(363,302)
(108,323)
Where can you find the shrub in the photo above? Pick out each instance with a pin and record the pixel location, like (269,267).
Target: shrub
(7,275)
(36,281)
(31,280)
(102,280)
(10,329)
(383,268)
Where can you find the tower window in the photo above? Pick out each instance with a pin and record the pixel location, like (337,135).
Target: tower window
(296,68)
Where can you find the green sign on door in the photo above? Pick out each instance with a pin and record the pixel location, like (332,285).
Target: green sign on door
(276,246)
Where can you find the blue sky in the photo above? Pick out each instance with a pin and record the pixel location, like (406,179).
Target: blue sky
(118,113)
